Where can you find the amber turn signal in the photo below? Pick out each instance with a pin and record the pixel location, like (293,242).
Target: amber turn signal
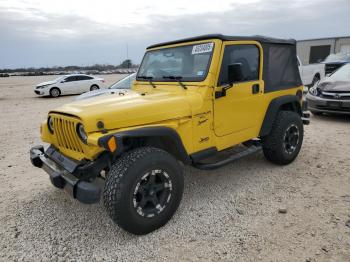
(112,144)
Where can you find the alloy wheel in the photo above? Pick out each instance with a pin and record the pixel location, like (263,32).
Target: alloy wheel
(55,92)
(152,193)
(291,139)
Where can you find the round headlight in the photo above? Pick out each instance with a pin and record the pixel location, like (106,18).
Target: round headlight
(50,124)
(81,133)
(313,91)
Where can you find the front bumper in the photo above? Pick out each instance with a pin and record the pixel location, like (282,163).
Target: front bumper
(79,179)
(325,105)
(41,92)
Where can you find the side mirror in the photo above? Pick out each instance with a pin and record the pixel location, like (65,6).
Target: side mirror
(235,73)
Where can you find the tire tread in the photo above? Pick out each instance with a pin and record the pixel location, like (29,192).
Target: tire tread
(272,143)
(115,183)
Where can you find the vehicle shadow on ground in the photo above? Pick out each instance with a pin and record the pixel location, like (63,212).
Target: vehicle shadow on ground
(332,118)
(61,96)
(61,212)
(53,221)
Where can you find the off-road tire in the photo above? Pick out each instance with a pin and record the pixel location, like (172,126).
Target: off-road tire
(273,144)
(122,181)
(94,87)
(55,92)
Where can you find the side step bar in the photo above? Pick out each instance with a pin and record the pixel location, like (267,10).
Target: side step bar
(232,158)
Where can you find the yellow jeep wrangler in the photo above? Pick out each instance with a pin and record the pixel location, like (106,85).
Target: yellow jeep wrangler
(192,102)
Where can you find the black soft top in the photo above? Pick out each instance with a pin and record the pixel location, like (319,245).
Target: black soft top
(280,67)
(261,39)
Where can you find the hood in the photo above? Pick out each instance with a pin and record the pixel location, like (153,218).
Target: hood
(100,92)
(334,86)
(133,108)
(46,83)
(335,62)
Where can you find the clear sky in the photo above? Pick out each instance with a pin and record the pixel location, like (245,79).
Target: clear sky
(81,32)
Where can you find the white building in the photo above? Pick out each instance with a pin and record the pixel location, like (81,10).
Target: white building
(316,50)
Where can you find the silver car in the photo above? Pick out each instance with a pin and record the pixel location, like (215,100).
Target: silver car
(122,84)
(332,95)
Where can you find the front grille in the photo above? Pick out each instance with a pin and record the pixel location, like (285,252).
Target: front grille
(339,109)
(336,95)
(66,134)
(37,92)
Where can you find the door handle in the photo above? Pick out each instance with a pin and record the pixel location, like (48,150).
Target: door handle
(255,89)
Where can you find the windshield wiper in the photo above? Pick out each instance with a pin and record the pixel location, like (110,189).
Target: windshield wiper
(149,78)
(178,79)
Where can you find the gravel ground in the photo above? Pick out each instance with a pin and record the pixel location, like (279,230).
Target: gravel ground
(247,211)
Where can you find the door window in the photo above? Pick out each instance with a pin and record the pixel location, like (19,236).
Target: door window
(70,79)
(247,55)
(319,53)
(84,78)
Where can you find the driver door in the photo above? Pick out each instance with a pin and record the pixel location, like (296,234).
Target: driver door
(82,84)
(237,113)
(67,85)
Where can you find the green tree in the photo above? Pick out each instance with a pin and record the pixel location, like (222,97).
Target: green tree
(126,64)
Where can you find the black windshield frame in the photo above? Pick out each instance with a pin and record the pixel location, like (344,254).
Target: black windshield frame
(184,79)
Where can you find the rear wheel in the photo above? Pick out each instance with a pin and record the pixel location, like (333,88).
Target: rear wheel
(55,92)
(143,189)
(283,143)
(94,87)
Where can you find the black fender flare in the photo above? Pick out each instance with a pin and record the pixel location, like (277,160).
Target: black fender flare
(275,106)
(149,132)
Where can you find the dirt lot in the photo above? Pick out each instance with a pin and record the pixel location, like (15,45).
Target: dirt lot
(230,214)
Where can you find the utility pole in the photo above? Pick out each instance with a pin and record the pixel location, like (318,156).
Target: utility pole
(127,54)
(127,51)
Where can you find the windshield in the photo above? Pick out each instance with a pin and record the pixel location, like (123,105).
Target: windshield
(59,78)
(188,63)
(342,74)
(337,57)
(125,83)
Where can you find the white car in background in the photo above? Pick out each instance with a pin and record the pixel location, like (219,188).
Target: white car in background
(311,74)
(69,85)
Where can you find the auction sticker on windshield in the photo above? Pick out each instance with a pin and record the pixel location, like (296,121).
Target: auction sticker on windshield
(202,48)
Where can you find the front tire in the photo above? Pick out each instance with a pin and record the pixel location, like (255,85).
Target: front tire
(55,92)
(143,190)
(284,142)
